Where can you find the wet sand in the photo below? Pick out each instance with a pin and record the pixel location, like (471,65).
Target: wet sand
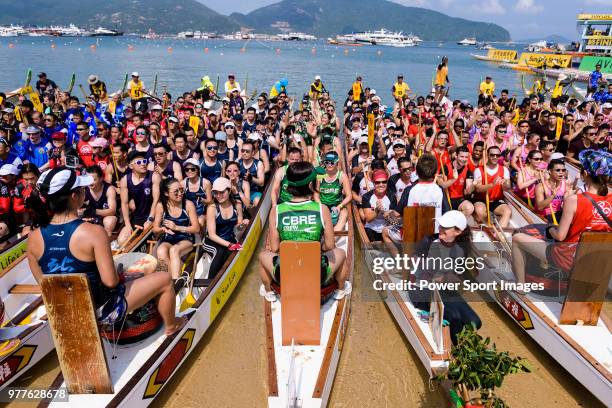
(378,368)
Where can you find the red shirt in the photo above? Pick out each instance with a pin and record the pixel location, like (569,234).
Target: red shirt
(587,218)
(496,193)
(85,152)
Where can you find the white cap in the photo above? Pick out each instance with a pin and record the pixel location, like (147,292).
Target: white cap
(8,168)
(254,136)
(398,142)
(60,179)
(607,105)
(557,156)
(229,124)
(192,161)
(362,139)
(99,142)
(221,184)
(453,218)
(207,105)
(226,99)
(157,107)
(372,91)
(135,73)
(391,125)
(318,78)
(173,119)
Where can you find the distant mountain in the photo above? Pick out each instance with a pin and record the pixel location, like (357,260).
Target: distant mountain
(559,39)
(163,16)
(328,17)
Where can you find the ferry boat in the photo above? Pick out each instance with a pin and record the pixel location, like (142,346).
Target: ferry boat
(384,37)
(295,36)
(11,31)
(468,42)
(105,32)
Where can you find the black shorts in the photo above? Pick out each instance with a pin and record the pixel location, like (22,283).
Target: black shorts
(493,204)
(456,202)
(140,221)
(326,272)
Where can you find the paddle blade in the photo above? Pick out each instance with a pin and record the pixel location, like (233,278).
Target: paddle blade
(188,302)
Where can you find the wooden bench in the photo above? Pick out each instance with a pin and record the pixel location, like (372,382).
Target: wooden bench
(418,223)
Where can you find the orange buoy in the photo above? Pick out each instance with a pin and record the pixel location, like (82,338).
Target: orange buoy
(53,46)
(206,50)
(11,45)
(242,49)
(346,52)
(93,47)
(170,49)
(130,48)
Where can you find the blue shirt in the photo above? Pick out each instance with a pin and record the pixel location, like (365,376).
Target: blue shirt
(594,79)
(12,158)
(38,154)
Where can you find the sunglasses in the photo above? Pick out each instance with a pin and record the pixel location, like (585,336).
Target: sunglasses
(560,170)
(159,153)
(328,163)
(48,120)
(406,169)
(189,169)
(215,192)
(178,191)
(537,159)
(379,183)
(211,148)
(81,130)
(140,162)
(246,151)
(141,133)
(494,154)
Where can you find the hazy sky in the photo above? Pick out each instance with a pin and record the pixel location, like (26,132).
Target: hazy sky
(523,18)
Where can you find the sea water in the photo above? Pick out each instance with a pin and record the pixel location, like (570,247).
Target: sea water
(180,64)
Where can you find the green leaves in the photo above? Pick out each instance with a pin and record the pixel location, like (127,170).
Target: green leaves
(478,366)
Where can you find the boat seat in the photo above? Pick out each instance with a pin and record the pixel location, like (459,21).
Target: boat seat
(202,283)
(418,223)
(23,289)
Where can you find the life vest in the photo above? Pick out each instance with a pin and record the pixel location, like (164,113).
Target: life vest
(357,91)
(314,87)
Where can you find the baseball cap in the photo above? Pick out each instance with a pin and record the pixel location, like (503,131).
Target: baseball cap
(331,156)
(32,130)
(42,74)
(231,75)
(8,110)
(221,136)
(391,125)
(3,140)
(226,99)
(317,78)
(173,119)
(372,91)
(192,162)
(62,179)
(135,73)
(607,105)
(99,142)
(238,117)
(362,139)
(380,175)
(212,113)
(229,124)
(399,142)
(58,136)
(451,219)
(221,184)
(8,168)
(157,107)
(557,156)
(134,154)
(254,136)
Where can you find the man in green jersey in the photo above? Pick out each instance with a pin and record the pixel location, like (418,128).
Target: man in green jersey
(279,184)
(302,219)
(334,190)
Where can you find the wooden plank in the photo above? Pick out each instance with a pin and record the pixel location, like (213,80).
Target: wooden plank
(329,351)
(74,327)
(300,264)
(588,281)
(272,378)
(25,290)
(418,223)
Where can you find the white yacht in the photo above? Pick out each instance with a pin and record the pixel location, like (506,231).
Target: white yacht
(12,31)
(468,41)
(385,37)
(105,32)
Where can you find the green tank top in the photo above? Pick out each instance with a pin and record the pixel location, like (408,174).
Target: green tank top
(284,196)
(299,221)
(331,192)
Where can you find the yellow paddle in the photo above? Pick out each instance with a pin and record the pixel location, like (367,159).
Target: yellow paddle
(484,175)
(190,300)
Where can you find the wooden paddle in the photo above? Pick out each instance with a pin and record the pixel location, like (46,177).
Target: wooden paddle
(485,178)
(190,300)
(445,189)
(552,212)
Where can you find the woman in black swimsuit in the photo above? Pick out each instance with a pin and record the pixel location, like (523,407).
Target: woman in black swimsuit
(177,222)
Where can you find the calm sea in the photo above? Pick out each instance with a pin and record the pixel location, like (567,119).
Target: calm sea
(180,63)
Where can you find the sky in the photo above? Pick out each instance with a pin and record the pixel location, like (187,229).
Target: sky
(523,18)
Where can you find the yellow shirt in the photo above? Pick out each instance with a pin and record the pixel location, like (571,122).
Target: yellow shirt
(487,88)
(135,90)
(399,90)
(441,75)
(357,91)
